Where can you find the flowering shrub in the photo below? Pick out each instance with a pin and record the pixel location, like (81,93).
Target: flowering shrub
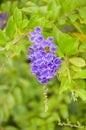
(56,30)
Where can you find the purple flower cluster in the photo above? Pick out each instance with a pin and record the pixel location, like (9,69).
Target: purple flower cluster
(3,20)
(44,63)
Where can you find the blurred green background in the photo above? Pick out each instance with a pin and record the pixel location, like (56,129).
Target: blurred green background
(21,96)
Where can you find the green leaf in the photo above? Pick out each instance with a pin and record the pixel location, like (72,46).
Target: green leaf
(66,4)
(81,2)
(32,10)
(17,95)
(53,9)
(2,38)
(66,84)
(77,61)
(14,4)
(10,28)
(6,5)
(63,70)
(64,111)
(18,48)
(80,74)
(82,12)
(24,23)
(8,46)
(10,101)
(81,83)
(1,114)
(81,93)
(59,53)
(74,17)
(18,17)
(75,68)
(83,55)
(10,128)
(82,47)
(6,112)
(67,44)
(36,21)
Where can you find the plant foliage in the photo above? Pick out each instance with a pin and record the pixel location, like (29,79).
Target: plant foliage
(21,96)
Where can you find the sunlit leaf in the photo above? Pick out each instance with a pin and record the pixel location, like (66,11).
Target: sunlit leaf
(80,74)
(11,128)
(82,12)
(81,93)
(82,47)
(2,38)
(18,17)
(67,44)
(66,84)
(77,61)
(10,28)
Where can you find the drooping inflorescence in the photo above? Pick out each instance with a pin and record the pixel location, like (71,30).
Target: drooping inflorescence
(43,60)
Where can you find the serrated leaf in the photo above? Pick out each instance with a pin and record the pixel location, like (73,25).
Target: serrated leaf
(66,84)
(77,61)
(10,28)
(81,93)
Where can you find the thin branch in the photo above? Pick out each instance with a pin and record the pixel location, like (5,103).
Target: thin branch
(72,125)
(45,98)
(20,38)
(16,41)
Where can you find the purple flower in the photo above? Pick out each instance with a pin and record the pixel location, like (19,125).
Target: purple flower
(38,30)
(44,62)
(3,15)
(50,39)
(3,20)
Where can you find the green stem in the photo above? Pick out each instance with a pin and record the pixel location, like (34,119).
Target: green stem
(68,70)
(45,98)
